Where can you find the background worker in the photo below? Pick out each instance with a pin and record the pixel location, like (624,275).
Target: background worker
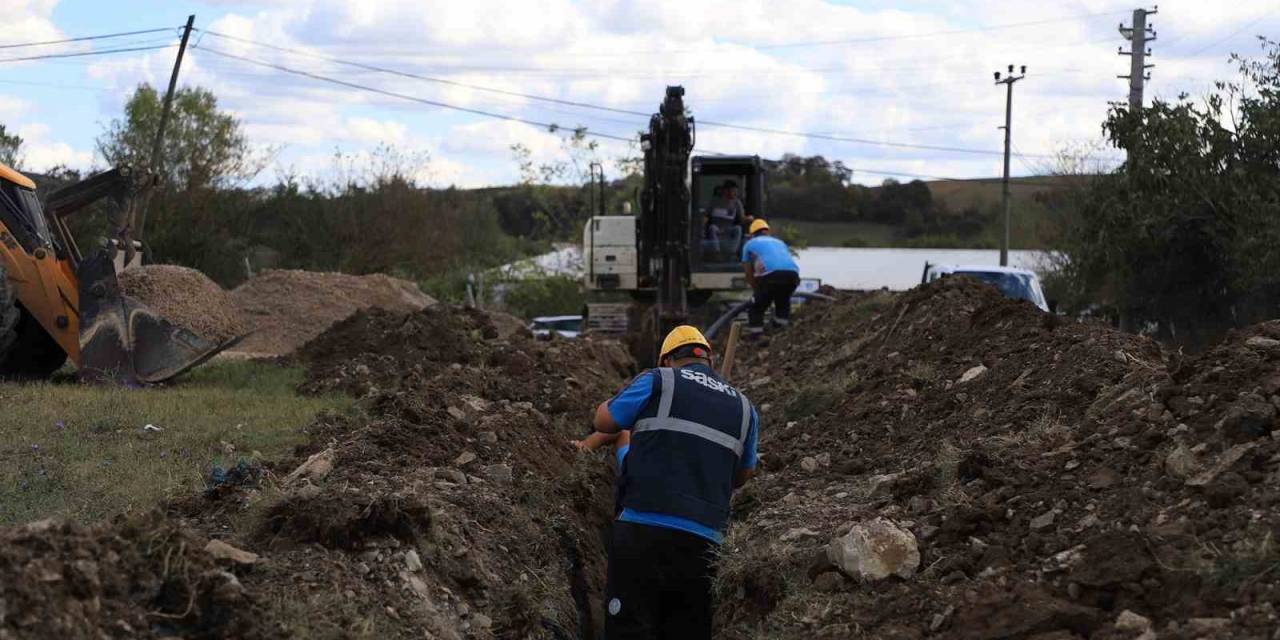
(728,216)
(773,276)
(693,441)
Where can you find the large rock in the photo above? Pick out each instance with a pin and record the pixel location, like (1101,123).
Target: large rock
(1248,418)
(876,550)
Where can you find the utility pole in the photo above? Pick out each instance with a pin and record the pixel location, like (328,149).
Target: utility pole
(1139,35)
(157,148)
(1007,81)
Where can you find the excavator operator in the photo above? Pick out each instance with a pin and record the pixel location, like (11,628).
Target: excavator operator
(693,441)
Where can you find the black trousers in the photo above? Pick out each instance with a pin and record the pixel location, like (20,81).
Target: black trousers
(659,584)
(772,289)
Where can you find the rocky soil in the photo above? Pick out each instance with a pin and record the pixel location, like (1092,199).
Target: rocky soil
(949,463)
(451,506)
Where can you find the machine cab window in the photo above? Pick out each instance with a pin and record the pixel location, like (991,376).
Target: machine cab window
(727,192)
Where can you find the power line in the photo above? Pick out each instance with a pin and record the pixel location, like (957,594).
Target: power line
(85,38)
(871,39)
(443,105)
(86,53)
(586,105)
(1233,34)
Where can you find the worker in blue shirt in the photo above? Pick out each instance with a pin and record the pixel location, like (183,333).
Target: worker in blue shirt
(773,276)
(692,442)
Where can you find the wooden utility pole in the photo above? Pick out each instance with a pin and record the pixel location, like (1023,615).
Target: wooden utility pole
(157,147)
(1139,35)
(1008,141)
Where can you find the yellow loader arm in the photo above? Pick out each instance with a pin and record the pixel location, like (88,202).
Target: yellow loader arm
(72,307)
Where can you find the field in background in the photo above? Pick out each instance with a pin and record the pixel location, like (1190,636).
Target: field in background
(83,453)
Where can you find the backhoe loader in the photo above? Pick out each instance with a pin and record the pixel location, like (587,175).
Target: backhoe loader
(56,304)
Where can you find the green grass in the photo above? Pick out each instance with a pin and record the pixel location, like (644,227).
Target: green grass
(80,452)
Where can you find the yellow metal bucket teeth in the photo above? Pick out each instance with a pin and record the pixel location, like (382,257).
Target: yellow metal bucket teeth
(123,340)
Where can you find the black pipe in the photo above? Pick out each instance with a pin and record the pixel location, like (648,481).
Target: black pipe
(736,309)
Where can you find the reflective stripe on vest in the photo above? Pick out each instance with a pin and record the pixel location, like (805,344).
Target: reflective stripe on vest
(664,422)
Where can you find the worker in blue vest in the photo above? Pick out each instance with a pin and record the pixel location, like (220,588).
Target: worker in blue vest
(693,441)
(773,276)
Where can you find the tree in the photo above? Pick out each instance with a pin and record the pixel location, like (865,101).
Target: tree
(10,148)
(1185,235)
(203,146)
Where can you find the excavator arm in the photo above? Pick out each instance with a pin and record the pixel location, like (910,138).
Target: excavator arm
(664,216)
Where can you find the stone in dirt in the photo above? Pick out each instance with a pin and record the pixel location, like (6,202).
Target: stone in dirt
(1224,462)
(315,469)
(1250,417)
(1043,521)
(223,551)
(1182,462)
(1262,342)
(972,374)
(875,550)
(1130,621)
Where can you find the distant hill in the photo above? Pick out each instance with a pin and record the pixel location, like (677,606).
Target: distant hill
(959,194)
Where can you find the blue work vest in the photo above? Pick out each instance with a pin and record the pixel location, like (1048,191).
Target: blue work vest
(686,446)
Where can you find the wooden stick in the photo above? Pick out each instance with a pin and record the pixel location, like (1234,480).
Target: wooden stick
(730,350)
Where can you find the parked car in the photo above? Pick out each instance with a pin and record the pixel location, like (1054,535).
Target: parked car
(1020,284)
(563,327)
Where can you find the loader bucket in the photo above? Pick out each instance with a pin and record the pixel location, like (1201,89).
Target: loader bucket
(123,340)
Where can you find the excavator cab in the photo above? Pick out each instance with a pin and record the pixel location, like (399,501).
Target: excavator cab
(719,242)
(56,305)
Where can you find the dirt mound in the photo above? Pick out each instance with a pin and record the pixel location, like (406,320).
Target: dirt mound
(1054,475)
(286,308)
(186,297)
(144,578)
(453,502)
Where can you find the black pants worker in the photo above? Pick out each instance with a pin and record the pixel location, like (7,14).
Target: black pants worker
(772,289)
(659,584)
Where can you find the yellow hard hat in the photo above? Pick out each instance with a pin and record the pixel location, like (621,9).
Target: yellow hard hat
(681,336)
(758,225)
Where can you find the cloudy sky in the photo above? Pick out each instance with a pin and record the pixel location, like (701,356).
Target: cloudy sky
(906,84)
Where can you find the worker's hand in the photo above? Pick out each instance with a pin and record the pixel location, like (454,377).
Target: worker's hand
(582,446)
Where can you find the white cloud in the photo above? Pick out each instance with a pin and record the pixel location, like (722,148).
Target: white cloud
(40,153)
(28,21)
(925,81)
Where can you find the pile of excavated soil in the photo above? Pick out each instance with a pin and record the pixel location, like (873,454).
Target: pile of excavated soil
(144,578)
(449,505)
(187,298)
(286,308)
(456,504)
(1058,479)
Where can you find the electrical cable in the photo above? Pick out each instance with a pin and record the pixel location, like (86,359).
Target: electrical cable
(87,53)
(586,105)
(85,38)
(435,103)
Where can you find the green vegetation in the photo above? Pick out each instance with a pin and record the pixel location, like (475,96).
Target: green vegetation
(10,148)
(829,210)
(1184,238)
(82,452)
(546,296)
(203,146)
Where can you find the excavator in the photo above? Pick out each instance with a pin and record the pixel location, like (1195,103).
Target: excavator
(58,305)
(659,261)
